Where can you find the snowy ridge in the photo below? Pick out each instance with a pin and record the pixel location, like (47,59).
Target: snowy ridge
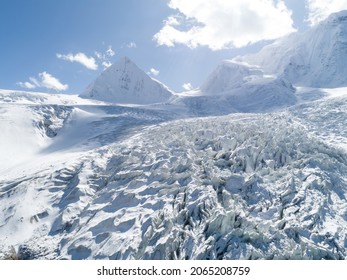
(239,87)
(314,58)
(230,75)
(37,98)
(124,82)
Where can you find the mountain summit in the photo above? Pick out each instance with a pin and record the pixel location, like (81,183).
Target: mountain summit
(315,58)
(241,87)
(125,82)
(230,75)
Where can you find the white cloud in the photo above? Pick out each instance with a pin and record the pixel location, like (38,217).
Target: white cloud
(50,82)
(173,21)
(26,85)
(319,10)
(153,72)
(98,54)
(132,45)
(34,81)
(88,62)
(45,80)
(187,86)
(106,64)
(110,52)
(104,57)
(221,24)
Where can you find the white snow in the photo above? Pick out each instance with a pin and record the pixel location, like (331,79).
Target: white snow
(315,58)
(231,187)
(124,82)
(238,87)
(230,75)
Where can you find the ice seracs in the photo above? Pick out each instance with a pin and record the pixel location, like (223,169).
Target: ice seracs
(125,82)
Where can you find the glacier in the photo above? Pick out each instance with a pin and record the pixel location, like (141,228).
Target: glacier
(117,182)
(251,165)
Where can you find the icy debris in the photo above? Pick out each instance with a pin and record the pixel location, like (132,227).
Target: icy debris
(51,118)
(197,189)
(243,186)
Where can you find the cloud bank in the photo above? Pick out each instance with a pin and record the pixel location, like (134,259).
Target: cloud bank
(187,86)
(88,62)
(153,72)
(221,24)
(132,45)
(104,57)
(44,80)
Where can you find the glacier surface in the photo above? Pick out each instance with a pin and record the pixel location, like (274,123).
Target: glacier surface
(124,182)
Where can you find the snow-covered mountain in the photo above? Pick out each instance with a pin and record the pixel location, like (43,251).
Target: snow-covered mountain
(315,58)
(246,167)
(230,75)
(124,82)
(239,87)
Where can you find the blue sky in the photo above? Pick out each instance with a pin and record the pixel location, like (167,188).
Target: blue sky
(62,45)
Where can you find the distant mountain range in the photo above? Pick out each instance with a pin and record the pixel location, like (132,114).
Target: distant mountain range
(256,82)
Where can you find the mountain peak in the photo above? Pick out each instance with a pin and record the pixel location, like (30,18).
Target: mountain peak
(229,75)
(125,82)
(124,60)
(123,64)
(337,18)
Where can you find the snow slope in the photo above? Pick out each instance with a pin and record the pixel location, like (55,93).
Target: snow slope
(315,58)
(230,75)
(38,98)
(41,139)
(29,122)
(124,82)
